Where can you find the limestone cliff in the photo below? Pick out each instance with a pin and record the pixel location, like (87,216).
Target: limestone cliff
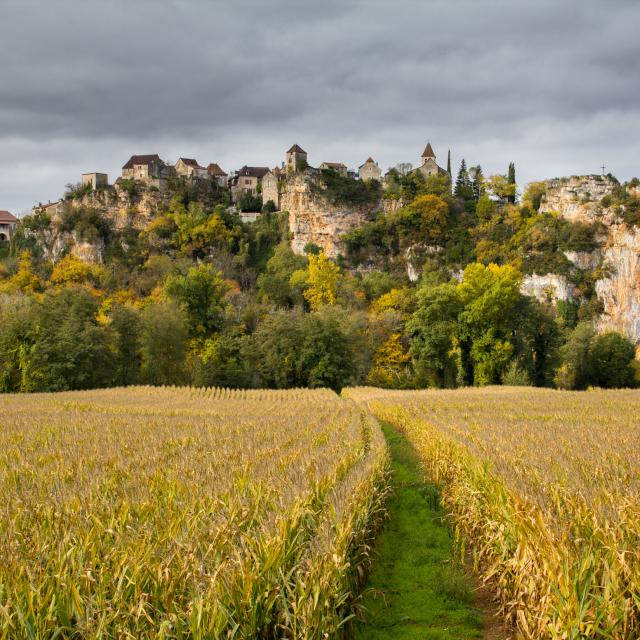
(124,207)
(619,292)
(315,220)
(548,288)
(580,198)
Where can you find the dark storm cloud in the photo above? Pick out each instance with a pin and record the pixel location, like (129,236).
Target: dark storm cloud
(84,84)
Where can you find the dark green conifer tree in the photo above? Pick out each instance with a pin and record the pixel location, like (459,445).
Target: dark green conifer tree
(477,182)
(463,188)
(511,179)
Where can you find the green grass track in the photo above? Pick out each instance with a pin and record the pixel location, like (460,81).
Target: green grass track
(416,589)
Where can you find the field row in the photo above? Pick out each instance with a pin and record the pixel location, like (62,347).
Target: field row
(175,513)
(543,489)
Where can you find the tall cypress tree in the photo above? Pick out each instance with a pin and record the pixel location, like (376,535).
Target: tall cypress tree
(449,162)
(511,180)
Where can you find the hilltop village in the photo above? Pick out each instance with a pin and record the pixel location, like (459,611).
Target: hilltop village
(147,183)
(258,186)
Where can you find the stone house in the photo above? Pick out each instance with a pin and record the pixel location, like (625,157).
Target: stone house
(296,156)
(429,165)
(247,180)
(8,224)
(370,170)
(189,168)
(96,180)
(150,169)
(52,209)
(217,174)
(336,166)
(270,190)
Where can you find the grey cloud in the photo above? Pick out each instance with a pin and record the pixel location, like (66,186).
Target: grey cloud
(552,86)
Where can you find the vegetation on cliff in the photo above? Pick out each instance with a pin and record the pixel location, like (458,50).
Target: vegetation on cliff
(428,293)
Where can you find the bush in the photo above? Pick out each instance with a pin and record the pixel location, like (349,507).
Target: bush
(88,224)
(249,202)
(514,376)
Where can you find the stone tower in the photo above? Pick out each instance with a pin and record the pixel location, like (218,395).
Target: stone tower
(296,156)
(429,165)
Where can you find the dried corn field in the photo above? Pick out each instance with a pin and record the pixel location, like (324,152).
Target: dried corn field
(183,513)
(543,489)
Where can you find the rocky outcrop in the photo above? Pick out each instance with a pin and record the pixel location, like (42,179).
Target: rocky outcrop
(125,207)
(313,220)
(578,198)
(391,205)
(547,288)
(619,291)
(415,257)
(585,260)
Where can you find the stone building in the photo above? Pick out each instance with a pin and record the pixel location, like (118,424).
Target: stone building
(52,209)
(246,180)
(189,168)
(270,189)
(296,157)
(96,180)
(149,169)
(429,165)
(336,166)
(370,170)
(217,174)
(8,224)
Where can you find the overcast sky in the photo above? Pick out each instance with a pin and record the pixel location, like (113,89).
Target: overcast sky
(553,85)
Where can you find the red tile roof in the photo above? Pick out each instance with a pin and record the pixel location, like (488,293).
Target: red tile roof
(215,170)
(154,157)
(5,217)
(191,163)
(369,159)
(428,151)
(296,149)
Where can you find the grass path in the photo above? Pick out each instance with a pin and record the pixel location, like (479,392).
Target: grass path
(415,589)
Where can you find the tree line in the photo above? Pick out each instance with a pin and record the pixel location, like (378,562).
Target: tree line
(198,297)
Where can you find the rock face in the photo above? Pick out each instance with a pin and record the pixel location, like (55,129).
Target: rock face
(587,260)
(578,198)
(620,290)
(312,220)
(125,208)
(547,288)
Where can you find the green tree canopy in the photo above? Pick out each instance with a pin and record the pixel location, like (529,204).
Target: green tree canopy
(202,291)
